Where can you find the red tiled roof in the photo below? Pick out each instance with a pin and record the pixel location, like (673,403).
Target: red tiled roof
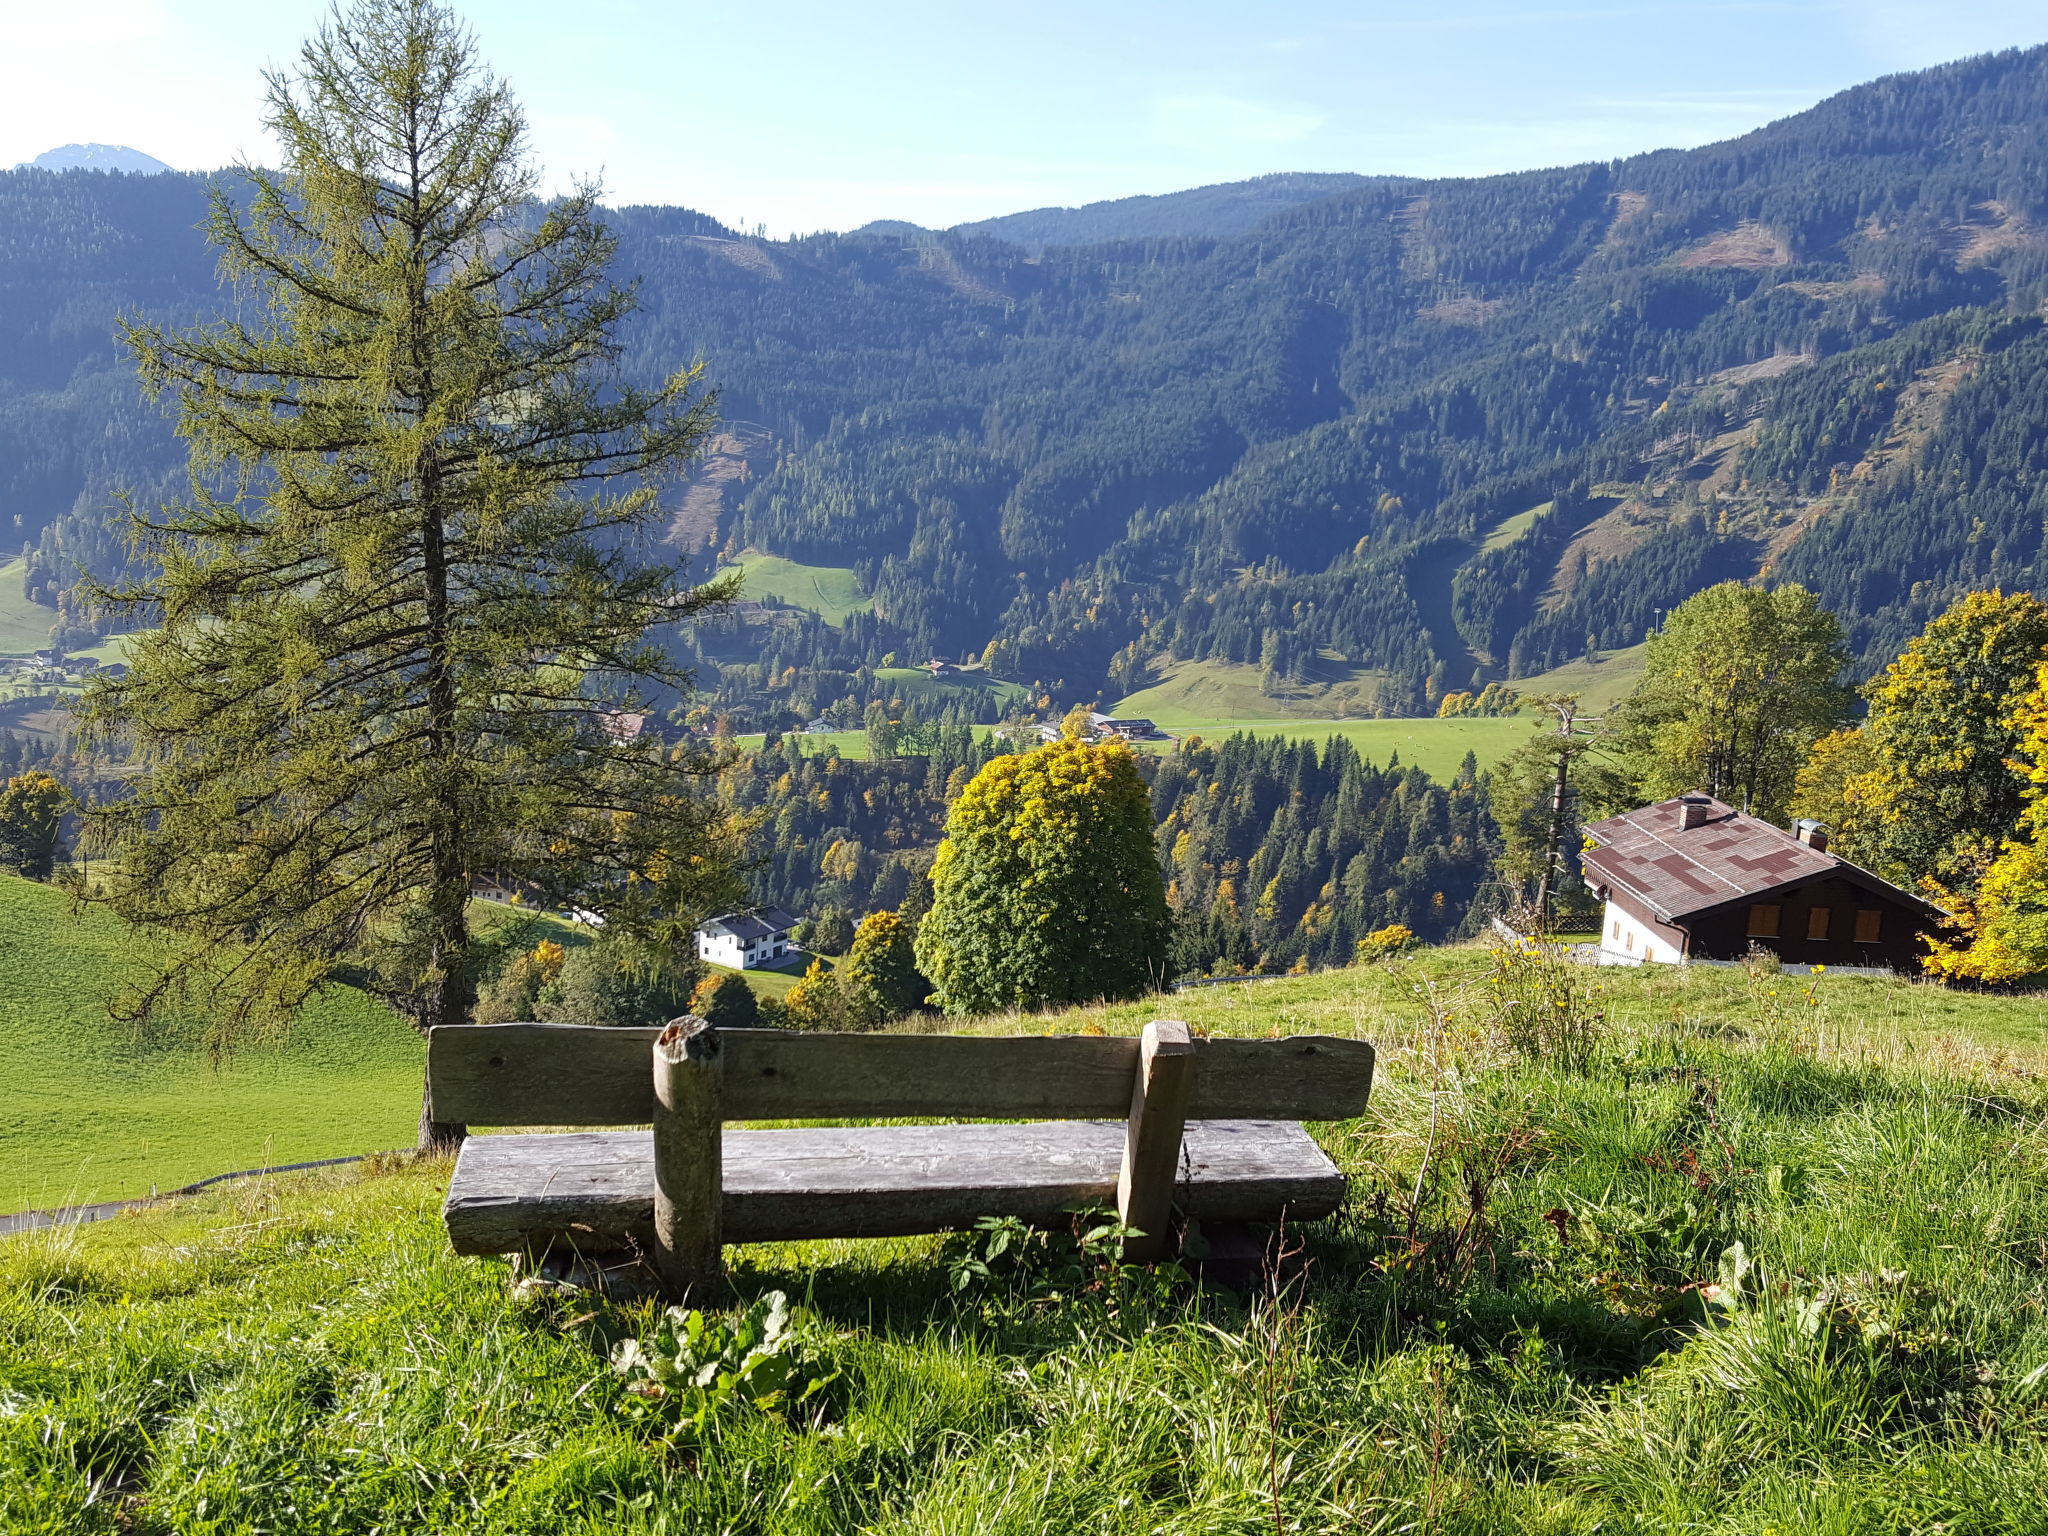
(1681,870)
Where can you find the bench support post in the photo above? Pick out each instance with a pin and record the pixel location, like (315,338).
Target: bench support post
(1159,1112)
(688,1158)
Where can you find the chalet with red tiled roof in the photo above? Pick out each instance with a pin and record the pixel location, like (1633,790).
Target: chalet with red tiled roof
(1694,879)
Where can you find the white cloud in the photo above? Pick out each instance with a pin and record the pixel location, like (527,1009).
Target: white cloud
(1206,123)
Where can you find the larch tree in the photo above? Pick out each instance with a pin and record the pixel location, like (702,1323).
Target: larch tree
(413,581)
(1046,889)
(1739,684)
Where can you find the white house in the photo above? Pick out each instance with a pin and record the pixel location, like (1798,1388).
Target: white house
(742,940)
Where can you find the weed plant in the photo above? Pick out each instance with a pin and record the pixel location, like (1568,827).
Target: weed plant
(1741,1269)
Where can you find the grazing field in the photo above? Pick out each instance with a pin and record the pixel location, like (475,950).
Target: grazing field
(24,626)
(1229,690)
(95,1111)
(1600,684)
(1437,747)
(1767,1258)
(830,591)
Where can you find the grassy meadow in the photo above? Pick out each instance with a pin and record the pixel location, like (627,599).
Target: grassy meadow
(24,626)
(1747,1255)
(831,592)
(98,1111)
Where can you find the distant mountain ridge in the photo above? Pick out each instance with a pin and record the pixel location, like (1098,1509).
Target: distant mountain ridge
(96,157)
(1394,439)
(1219,211)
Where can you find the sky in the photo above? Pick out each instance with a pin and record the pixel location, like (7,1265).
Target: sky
(799,115)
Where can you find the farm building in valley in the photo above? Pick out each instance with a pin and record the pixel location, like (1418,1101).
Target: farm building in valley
(743,940)
(1694,879)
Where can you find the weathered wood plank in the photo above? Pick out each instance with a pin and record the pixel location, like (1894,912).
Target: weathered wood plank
(1152,1138)
(688,1071)
(564,1074)
(597,1187)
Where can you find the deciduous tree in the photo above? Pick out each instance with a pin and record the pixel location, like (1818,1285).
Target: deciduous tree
(1046,889)
(1740,683)
(1942,794)
(880,974)
(31,816)
(407,587)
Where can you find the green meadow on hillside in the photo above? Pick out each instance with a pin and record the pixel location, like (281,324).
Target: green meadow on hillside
(1227,690)
(96,1111)
(24,626)
(830,591)
(1769,1259)
(1600,684)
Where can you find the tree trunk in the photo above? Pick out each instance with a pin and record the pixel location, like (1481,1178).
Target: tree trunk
(436,1136)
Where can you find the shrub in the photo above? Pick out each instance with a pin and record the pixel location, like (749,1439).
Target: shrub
(1541,1005)
(880,977)
(727,1002)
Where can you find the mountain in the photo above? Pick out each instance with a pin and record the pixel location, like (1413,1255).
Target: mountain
(96,157)
(1218,211)
(1390,440)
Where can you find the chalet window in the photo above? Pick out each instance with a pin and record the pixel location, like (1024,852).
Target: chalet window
(1763,920)
(1817,922)
(1869,925)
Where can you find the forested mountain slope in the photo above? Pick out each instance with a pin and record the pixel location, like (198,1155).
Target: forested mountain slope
(1413,430)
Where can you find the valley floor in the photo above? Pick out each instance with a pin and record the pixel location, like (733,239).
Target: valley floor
(1773,1258)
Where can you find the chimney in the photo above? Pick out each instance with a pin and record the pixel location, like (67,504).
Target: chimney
(1811,833)
(1692,812)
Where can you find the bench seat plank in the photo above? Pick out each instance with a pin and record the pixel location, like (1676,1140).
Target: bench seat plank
(597,1187)
(569,1074)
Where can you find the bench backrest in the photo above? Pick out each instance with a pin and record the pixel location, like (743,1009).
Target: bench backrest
(568,1074)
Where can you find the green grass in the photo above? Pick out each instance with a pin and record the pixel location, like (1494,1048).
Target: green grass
(766,981)
(1227,690)
(1600,684)
(830,591)
(1535,1354)
(911,683)
(1437,747)
(24,626)
(95,1111)
(1510,529)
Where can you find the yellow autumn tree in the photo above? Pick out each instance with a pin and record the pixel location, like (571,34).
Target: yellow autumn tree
(1046,889)
(2002,926)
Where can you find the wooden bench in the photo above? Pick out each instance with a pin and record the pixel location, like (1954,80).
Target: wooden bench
(1207,1126)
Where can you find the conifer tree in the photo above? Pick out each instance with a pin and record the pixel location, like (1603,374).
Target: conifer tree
(1046,889)
(405,593)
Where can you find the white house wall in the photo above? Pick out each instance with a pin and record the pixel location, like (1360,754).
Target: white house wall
(1627,940)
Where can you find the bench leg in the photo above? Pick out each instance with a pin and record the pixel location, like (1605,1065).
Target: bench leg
(1159,1113)
(688,1159)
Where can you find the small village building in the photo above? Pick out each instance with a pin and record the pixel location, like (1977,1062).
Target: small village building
(623,727)
(1695,879)
(743,940)
(1130,727)
(938,666)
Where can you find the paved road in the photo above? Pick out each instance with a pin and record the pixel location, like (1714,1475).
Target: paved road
(74,1215)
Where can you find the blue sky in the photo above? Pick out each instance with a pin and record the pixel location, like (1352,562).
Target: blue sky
(803,115)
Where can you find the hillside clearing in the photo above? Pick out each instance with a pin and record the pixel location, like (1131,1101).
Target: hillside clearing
(1600,684)
(1228,690)
(24,626)
(832,592)
(1531,1346)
